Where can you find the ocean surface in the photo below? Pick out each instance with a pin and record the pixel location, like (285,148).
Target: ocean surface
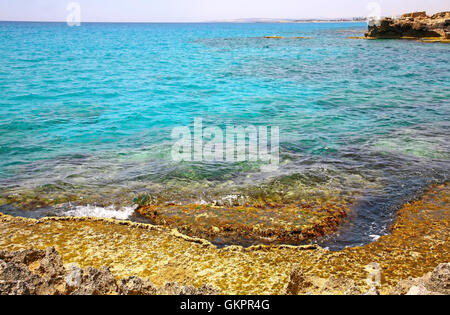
(86,116)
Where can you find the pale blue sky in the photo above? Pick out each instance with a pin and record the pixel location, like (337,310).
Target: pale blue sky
(206,10)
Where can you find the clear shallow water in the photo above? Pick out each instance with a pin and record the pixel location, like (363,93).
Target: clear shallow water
(86,114)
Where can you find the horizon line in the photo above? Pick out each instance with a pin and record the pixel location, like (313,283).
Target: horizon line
(243,21)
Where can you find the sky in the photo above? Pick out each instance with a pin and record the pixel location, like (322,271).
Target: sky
(207,10)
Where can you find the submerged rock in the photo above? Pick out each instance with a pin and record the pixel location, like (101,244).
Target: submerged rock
(260,224)
(412,25)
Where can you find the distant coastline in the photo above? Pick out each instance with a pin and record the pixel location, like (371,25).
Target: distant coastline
(237,21)
(259,20)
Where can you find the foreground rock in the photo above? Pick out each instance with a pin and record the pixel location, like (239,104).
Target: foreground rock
(433,283)
(416,245)
(37,272)
(412,25)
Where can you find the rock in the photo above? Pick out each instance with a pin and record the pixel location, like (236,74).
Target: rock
(441,15)
(97,282)
(12,271)
(403,287)
(51,265)
(298,282)
(173,288)
(26,257)
(338,286)
(17,279)
(372,291)
(412,25)
(353,290)
(434,283)
(35,272)
(418,290)
(73,278)
(207,289)
(440,279)
(136,286)
(415,15)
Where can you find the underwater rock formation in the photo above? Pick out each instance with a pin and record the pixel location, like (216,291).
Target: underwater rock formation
(412,25)
(250,224)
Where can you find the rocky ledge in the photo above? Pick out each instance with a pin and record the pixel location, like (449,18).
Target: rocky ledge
(402,260)
(433,283)
(38,272)
(416,25)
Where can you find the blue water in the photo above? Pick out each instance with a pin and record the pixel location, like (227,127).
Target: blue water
(87,113)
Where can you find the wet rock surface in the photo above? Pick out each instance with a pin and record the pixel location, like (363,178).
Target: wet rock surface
(412,25)
(250,224)
(416,245)
(37,272)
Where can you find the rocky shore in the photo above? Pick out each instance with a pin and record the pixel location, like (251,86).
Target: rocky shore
(38,272)
(416,25)
(146,259)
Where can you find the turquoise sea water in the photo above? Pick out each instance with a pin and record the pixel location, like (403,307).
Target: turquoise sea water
(86,115)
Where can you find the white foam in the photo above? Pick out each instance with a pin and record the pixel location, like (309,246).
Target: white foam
(110,212)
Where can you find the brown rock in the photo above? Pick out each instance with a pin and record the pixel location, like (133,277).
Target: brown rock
(97,282)
(412,25)
(35,272)
(299,283)
(337,286)
(414,15)
(173,288)
(17,279)
(73,278)
(136,286)
(435,283)
(439,280)
(441,15)
(419,290)
(51,265)
(26,257)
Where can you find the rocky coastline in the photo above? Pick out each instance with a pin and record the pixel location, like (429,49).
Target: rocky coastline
(68,255)
(39,272)
(417,25)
